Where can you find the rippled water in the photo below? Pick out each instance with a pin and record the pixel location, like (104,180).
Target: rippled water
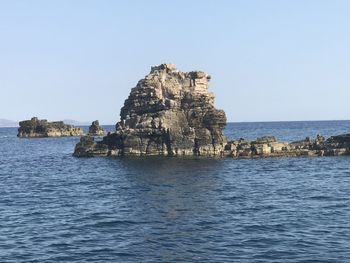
(57,208)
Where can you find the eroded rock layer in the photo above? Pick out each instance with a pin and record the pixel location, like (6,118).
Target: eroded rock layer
(42,128)
(170,113)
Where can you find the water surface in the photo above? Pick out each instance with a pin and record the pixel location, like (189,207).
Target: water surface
(57,208)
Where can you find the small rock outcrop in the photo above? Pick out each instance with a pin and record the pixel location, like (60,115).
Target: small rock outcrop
(96,130)
(42,128)
(169,113)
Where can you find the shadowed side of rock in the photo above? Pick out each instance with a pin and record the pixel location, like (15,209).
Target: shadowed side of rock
(169,113)
(42,128)
(88,147)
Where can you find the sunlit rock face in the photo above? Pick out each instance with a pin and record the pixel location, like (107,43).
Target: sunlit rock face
(169,112)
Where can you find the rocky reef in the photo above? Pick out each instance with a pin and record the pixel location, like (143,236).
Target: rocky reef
(42,128)
(96,130)
(268,146)
(168,113)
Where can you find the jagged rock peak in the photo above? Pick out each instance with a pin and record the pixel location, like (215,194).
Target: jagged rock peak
(169,112)
(164,89)
(166,66)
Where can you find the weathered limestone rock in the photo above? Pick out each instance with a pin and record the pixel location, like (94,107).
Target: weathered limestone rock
(43,128)
(96,130)
(268,146)
(169,113)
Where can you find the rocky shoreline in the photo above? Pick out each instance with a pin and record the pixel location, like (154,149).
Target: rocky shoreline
(35,128)
(172,113)
(270,147)
(263,147)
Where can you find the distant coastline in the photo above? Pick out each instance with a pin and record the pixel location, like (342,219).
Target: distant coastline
(6,123)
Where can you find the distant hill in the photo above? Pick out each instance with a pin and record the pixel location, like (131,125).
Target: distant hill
(76,123)
(8,123)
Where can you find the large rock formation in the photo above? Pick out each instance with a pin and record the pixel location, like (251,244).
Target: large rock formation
(96,130)
(170,113)
(43,128)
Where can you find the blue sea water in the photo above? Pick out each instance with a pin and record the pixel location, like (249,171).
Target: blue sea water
(57,208)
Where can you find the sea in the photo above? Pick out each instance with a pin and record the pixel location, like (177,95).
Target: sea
(58,208)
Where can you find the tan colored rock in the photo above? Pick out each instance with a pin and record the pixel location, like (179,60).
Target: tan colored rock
(169,113)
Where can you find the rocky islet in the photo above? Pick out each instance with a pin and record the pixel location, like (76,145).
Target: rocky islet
(34,128)
(169,113)
(172,113)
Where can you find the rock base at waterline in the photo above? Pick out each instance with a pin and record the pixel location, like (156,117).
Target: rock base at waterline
(260,148)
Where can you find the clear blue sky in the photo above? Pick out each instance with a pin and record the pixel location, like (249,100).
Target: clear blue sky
(269,60)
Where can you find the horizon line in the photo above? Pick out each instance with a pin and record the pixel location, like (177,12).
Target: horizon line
(272,121)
